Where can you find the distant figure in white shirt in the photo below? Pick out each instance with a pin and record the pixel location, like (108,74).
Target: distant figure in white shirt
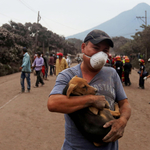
(68,60)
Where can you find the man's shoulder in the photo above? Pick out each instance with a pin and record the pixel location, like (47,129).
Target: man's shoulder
(75,70)
(108,69)
(26,55)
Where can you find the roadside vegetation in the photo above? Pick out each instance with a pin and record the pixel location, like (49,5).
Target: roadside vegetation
(14,36)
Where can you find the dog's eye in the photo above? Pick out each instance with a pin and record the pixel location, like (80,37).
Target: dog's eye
(85,87)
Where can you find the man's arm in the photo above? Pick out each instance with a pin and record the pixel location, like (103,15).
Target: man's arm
(118,125)
(42,63)
(34,63)
(141,73)
(63,104)
(26,59)
(148,76)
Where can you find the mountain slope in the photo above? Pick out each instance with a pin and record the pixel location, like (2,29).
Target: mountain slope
(125,24)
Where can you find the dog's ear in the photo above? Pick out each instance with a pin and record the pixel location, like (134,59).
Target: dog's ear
(75,76)
(70,89)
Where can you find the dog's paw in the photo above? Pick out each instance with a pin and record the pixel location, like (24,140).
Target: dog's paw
(93,110)
(97,144)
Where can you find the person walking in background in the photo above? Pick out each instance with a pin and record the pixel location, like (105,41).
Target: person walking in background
(37,64)
(51,64)
(127,70)
(68,60)
(118,66)
(78,59)
(55,57)
(141,71)
(26,70)
(44,67)
(147,76)
(46,61)
(123,74)
(61,63)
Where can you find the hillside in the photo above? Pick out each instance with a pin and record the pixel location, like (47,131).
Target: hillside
(125,24)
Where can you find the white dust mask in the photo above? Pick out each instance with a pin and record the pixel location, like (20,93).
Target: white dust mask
(98,60)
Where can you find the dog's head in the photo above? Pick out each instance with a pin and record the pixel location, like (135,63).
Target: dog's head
(79,86)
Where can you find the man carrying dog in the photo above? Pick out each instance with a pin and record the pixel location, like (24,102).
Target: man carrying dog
(95,51)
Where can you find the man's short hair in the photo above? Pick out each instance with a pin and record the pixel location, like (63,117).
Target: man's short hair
(97,36)
(39,53)
(24,49)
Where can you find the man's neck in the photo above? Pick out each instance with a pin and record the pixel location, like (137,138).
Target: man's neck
(88,73)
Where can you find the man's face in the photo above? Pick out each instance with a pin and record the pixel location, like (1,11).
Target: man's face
(38,55)
(90,49)
(60,57)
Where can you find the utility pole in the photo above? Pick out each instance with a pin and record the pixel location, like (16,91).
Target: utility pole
(39,17)
(146,18)
(36,34)
(138,17)
(146,51)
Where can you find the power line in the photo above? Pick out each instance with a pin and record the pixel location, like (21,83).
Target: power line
(9,17)
(61,24)
(46,23)
(28,6)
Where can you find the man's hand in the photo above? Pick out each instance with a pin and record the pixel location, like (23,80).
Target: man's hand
(100,102)
(145,78)
(33,67)
(117,129)
(20,68)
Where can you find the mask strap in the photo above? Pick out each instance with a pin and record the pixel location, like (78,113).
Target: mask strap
(87,56)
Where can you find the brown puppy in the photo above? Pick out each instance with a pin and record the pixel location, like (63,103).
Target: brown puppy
(90,120)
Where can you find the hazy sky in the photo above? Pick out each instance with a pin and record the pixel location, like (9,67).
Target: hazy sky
(65,17)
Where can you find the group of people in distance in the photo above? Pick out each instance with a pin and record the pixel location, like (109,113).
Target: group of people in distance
(40,67)
(122,66)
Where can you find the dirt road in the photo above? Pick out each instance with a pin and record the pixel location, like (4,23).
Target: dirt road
(26,123)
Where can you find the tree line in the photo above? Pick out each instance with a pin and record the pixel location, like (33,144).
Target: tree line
(14,36)
(138,44)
